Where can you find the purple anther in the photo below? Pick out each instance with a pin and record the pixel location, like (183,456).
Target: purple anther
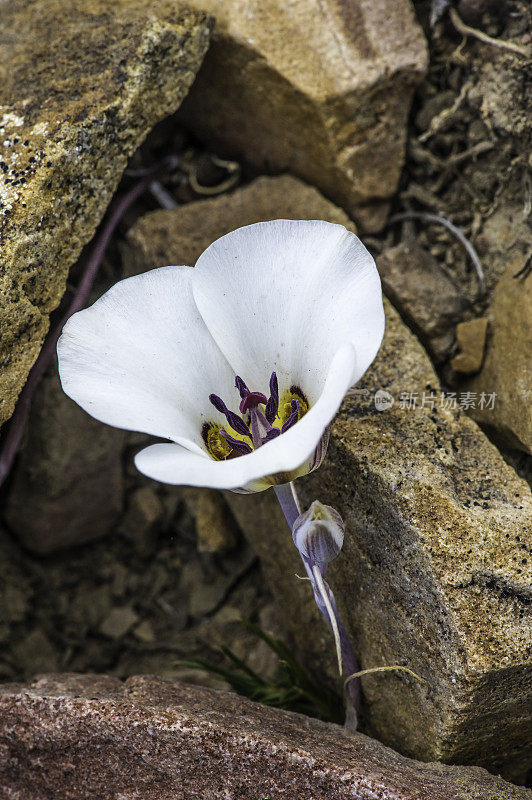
(273,433)
(236,423)
(242,448)
(294,415)
(252,400)
(241,386)
(272,406)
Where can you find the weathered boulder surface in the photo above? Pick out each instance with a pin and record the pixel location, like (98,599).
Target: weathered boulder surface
(67,487)
(435,571)
(181,235)
(471,340)
(423,293)
(319,88)
(75,736)
(81,84)
(507,369)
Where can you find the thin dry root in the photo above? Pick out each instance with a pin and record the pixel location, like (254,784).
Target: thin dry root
(457,233)
(466,30)
(383,669)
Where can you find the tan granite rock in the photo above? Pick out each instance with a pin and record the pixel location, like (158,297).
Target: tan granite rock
(318,88)
(70,737)
(142,521)
(471,340)
(215,529)
(435,571)
(181,235)
(81,84)
(424,294)
(67,486)
(507,369)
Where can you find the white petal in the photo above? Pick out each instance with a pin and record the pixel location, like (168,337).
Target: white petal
(286,296)
(141,358)
(170,463)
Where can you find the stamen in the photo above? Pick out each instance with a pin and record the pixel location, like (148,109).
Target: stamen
(252,400)
(294,416)
(256,433)
(272,434)
(242,448)
(272,406)
(233,419)
(259,425)
(241,386)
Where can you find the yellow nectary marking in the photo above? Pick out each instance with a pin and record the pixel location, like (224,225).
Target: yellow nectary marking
(285,408)
(217,446)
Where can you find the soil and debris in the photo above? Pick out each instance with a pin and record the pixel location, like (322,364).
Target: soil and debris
(138,601)
(145,597)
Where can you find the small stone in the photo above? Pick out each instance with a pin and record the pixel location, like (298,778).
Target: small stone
(228,614)
(35,653)
(206,589)
(423,293)
(320,88)
(89,606)
(68,128)
(120,580)
(119,622)
(142,520)
(471,339)
(67,484)
(507,372)
(144,632)
(164,739)
(14,603)
(216,528)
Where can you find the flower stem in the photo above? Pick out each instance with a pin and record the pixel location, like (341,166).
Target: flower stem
(320,584)
(288,500)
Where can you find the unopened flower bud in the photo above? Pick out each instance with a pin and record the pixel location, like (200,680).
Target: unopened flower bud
(318,533)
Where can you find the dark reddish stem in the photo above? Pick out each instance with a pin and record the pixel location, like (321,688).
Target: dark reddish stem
(117,211)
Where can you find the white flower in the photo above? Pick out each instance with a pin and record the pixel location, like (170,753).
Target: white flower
(292,306)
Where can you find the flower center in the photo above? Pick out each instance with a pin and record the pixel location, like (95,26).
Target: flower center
(261,419)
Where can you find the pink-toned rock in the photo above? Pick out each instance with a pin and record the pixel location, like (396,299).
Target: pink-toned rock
(81,84)
(74,737)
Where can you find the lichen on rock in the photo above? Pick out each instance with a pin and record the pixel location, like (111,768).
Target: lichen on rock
(81,84)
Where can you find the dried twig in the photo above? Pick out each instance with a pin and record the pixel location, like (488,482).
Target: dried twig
(18,420)
(472,152)
(232,167)
(526,269)
(224,186)
(441,118)
(457,233)
(397,668)
(466,30)
(163,196)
